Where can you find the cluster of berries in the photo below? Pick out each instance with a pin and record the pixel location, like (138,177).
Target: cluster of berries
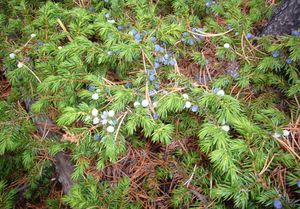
(276,54)
(13,55)
(189,105)
(106,119)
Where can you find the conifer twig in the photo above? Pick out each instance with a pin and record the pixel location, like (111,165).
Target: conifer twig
(147,88)
(64,29)
(266,165)
(119,126)
(32,73)
(187,183)
(200,33)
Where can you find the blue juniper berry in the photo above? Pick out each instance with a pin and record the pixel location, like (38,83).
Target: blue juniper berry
(229,26)
(295,33)
(161,59)
(195,108)
(155,116)
(97,137)
(248,35)
(161,49)
(156,48)
(133,32)
(152,92)
(128,85)
(275,54)
(156,65)
(91,87)
(153,39)
(151,77)
(215,90)
(200,38)
(156,86)
(109,53)
(40,43)
(185,34)
(298,183)
(289,61)
(191,42)
(277,204)
(151,72)
(137,37)
(208,3)
(120,27)
(172,62)
(91,9)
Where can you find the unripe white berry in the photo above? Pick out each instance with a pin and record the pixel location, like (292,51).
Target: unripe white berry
(12,56)
(96,120)
(145,103)
(95,112)
(225,128)
(220,93)
(276,135)
(185,96)
(111,113)
(110,129)
(188,104)
(20,64)
(286,133)
(227,46)
(136,104)
(95,96)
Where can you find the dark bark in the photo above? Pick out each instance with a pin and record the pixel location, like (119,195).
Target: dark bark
(285,18)
(63,164)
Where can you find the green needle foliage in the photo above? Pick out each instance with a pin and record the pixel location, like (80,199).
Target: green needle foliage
(187,81)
